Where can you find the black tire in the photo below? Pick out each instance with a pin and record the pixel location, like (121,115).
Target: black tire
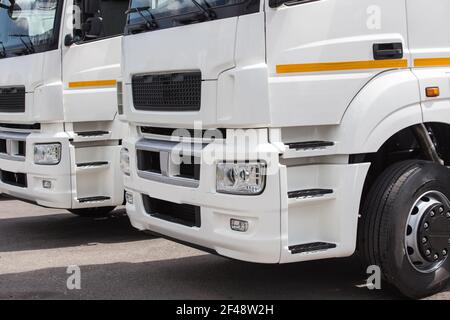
(92,212)
(384,218)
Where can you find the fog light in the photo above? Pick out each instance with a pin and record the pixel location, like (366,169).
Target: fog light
(239,225)
(125,161)
(47,154)
(129,198)
(246,178)
(46,184)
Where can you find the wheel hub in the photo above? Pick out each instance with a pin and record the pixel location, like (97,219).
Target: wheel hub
(427,239)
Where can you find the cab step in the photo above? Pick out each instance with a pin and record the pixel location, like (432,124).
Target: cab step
(311,247)
(309,149)
(90,134)
(93,199)
(310,145)
(309,193)
(92,164)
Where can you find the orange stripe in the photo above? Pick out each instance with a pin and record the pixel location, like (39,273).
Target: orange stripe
(432,62)
(96,83)
(340,66)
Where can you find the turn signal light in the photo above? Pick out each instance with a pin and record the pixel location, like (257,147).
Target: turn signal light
(432,92)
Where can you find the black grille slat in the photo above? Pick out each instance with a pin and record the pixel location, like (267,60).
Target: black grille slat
(14,179)
(184,214)
(3,146)
(12,99)
(149,161)
(167,92)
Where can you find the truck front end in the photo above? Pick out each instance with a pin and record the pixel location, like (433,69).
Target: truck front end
(214,159)
(33,145)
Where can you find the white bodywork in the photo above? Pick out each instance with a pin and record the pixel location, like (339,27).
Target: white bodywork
(358,106)
(64,112)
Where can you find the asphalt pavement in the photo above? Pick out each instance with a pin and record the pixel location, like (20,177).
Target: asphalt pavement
(41,250)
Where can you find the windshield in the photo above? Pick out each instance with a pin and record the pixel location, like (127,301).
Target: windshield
(27,26)
(172,13)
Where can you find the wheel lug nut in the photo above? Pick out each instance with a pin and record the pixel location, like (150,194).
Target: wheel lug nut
(432,214)
(447,214)
(426,225)
(444,252)
(435,257)
(428,252)
(424,240)
(441,209)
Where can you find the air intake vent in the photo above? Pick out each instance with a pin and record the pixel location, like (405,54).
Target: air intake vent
(12,99)
(167,92)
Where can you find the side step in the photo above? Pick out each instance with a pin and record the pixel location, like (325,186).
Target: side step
(309,193)
(93,199)
(88,134)
(310,145)
(311,247)
(92,164)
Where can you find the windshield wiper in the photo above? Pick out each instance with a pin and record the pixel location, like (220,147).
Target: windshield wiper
(4,6)
(209,13)
(3,53)
(149,23)
(30,48)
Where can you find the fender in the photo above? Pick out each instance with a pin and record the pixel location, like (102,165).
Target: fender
(387,104)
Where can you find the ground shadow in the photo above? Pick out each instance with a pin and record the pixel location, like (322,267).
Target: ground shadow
(63,229)
(199,277)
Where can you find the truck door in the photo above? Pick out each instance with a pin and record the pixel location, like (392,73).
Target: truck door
(321,53)
(91,59)
(429,42)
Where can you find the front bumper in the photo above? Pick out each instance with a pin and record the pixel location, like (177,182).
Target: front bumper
(276,222)
(60,193)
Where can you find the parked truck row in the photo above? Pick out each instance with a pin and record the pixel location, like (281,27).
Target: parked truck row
(268,131)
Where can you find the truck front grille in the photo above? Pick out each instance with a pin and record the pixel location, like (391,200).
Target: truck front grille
(14,179)
(13,145)
(12,99)
(183,214)
(167,92)
(150,161)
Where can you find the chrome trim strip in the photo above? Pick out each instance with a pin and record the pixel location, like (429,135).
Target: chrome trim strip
(177,181)
(14,135)
(12,157)
(169,146)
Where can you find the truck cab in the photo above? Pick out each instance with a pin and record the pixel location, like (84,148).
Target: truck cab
(276,131)
(59,134)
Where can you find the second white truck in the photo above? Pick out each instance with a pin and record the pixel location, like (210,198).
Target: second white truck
(59,134)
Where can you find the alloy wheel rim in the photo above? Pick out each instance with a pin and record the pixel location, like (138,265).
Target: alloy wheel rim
(427,234)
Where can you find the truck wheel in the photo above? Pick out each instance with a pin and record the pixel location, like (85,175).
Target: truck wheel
(92,212)
(405,227)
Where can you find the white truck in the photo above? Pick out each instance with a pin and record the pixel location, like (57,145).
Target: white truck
(60,138)
(332,130)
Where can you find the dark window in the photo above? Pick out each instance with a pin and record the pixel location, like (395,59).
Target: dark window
(28,26)
(99,19)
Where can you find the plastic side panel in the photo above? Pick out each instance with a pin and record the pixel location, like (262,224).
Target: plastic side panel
(331,219)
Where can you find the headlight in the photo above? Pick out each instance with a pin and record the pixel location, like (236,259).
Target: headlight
(47,154)
(125,161)
(246,178)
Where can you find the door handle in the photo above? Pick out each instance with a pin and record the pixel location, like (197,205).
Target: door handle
(385,51)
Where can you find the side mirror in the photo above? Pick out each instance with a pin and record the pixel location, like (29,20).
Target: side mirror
(93,27)
(68,40)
